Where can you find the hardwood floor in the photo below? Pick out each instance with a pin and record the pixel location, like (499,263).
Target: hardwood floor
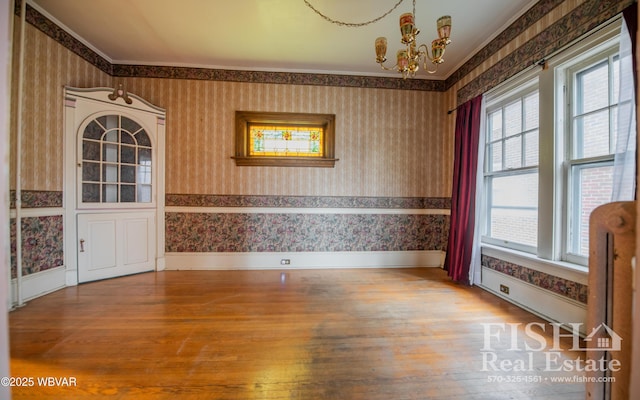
(297,334)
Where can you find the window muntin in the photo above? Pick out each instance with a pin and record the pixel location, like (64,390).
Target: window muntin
(512,134)
(511,173)
(596,93)
(116,161)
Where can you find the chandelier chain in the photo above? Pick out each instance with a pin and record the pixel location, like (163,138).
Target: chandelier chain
(356,24)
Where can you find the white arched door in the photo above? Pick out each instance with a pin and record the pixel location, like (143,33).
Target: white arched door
(114,181)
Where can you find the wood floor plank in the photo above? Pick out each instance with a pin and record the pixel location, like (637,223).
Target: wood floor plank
(308,334)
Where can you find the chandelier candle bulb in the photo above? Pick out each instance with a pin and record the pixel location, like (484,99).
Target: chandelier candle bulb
(381,49)
(437,51)
(403,60)
(444,28)
(407,27)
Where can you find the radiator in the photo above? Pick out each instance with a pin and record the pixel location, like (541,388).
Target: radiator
(609,308)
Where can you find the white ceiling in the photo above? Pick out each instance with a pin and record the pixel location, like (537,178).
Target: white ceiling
(273,35)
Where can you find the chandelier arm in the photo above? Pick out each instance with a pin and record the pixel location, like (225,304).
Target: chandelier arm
(394,68)
(425,53)
(356,24)
(426,68)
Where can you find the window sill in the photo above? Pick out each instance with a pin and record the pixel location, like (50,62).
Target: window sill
(561,269)
(285,162)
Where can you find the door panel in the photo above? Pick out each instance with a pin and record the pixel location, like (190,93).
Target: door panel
(136,246)
(115,244)
(100,245)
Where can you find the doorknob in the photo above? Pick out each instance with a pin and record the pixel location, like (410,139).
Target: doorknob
(81,245)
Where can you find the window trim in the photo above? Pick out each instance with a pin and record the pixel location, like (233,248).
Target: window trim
(600,49)
(552,175)
(244,119)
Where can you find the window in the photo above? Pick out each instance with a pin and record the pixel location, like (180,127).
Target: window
(511,170)
(549,151)
(592,91)
(284,139)
(116,161)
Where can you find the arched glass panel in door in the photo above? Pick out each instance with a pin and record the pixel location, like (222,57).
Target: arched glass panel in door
(116,161)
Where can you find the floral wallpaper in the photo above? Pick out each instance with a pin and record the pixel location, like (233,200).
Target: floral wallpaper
(528,19)
(581,20)
(42,246)
(573,290)
(211,200)
(290,78)
(42,237)
(297,232)
(61,36)
(36,199)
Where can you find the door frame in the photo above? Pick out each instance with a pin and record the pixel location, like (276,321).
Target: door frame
(125,103)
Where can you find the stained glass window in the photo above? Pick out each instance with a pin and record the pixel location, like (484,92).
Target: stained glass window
(285,141)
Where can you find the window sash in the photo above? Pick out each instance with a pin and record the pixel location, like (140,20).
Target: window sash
(116,159)
(512,129)
(512,138)
(577,214)
(503,217)
(588,149)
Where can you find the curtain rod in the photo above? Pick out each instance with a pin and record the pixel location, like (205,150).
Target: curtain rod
(454,109)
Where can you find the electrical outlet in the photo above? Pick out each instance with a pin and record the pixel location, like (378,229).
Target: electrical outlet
(504,289)
(285,261)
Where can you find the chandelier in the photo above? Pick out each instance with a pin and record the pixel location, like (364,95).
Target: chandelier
(410,58)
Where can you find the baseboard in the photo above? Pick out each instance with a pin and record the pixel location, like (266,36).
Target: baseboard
(38,284)
(543,303)
(303,260)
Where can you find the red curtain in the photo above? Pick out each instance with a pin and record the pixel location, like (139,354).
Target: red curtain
(460,244)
